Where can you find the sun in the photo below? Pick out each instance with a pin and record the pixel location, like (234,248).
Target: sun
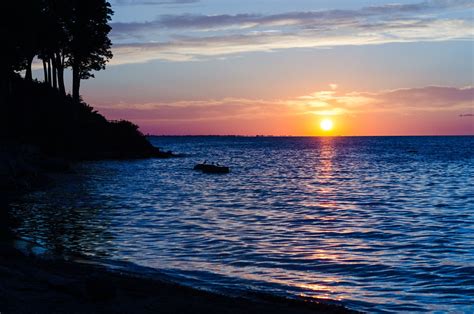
(326,125)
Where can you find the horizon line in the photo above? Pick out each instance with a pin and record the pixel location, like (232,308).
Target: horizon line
(289,136)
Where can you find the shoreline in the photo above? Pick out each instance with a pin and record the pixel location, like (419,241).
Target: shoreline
(29,284)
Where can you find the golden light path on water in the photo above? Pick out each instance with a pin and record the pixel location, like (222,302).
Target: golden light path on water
(325,288)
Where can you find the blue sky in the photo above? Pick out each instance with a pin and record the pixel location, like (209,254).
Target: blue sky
(218,55)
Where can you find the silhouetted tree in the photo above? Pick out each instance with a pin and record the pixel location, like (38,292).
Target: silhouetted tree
(11,55)
(32,19)
(89,47)
(62,33)
(59,12)
(54,42)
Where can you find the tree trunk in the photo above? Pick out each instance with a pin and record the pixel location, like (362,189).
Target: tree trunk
(4,99)
(9,84)
(49,72)
(28,74)
(55,72)
(45,71)
(76,83)
(3,88)
(60,69)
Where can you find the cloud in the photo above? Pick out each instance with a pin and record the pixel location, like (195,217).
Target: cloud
(185,48)
(307,19)
(201,110)
(191,37)
(151,2)
(430,99)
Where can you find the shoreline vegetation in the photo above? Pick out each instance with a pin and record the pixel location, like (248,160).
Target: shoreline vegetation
(38,116)
(44,132)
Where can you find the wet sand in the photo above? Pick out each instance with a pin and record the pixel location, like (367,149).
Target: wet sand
(34,285)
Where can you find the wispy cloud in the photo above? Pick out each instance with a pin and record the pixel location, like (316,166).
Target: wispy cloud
(185,48)
(432,98)
(190,37)
(151,2)
(310,19)
(321,103)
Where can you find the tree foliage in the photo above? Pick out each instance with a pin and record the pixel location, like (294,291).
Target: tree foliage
(62,33)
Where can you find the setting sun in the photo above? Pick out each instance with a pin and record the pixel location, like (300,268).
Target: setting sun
(326,125)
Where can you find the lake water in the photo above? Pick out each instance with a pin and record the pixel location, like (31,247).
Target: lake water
(379,223)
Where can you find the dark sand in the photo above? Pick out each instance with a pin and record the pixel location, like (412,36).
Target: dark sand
(34,285)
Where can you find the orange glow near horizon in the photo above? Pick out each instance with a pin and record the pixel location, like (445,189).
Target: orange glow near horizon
(326,112)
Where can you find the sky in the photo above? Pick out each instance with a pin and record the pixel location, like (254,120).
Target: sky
(279,67)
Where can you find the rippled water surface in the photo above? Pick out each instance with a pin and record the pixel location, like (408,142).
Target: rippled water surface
(382,224)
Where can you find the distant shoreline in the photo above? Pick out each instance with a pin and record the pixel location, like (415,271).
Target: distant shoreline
(309,136)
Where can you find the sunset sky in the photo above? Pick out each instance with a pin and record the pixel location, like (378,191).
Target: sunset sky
(280,67)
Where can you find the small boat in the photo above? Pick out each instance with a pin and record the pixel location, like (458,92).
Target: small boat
(211,168)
